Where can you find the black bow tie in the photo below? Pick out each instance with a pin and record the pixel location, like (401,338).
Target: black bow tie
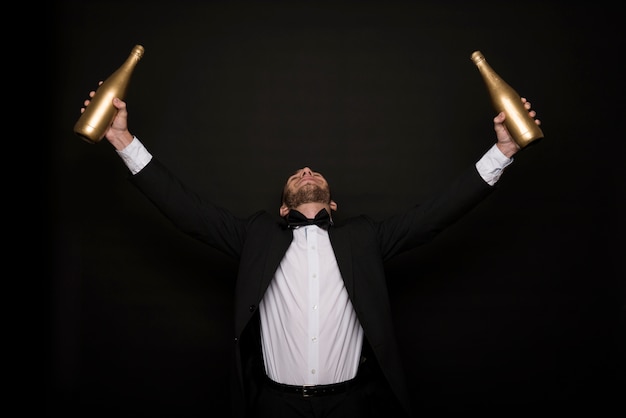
(296,219)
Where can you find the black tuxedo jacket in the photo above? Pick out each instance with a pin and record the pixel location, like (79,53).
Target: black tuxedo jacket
(361,245)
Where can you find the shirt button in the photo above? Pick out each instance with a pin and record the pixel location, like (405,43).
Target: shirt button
(312,371)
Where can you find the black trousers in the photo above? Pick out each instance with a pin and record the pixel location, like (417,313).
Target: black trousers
(369,397)
(273,403)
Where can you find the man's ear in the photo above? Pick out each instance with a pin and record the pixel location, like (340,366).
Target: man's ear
(333,205)
(284,210)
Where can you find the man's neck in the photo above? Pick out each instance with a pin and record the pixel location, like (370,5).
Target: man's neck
(311,209)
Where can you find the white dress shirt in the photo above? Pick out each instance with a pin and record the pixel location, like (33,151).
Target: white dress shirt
(309,331)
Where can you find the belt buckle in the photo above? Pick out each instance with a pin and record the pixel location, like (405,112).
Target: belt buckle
(306,392)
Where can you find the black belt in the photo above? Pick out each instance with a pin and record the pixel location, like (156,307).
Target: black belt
(307,391)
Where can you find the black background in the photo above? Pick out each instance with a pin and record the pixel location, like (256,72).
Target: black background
(519,307)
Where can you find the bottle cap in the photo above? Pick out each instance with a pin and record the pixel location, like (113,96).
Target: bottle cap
(138,50)
(477,56)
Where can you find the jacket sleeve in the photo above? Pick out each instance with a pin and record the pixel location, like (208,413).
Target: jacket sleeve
(421,223)
(200,219)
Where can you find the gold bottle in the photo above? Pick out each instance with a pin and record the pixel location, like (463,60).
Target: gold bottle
(98,116)
(505,99)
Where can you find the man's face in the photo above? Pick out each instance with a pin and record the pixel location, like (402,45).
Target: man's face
(305,186)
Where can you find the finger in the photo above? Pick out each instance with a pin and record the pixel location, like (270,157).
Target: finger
(499,117)
(119,104)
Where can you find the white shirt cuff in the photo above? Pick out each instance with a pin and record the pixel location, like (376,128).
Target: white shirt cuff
(135,156)
(492,165)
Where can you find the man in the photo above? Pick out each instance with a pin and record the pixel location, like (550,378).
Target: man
(313,329)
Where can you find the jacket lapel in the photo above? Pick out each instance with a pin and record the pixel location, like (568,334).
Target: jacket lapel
(275,253)
(340,240)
